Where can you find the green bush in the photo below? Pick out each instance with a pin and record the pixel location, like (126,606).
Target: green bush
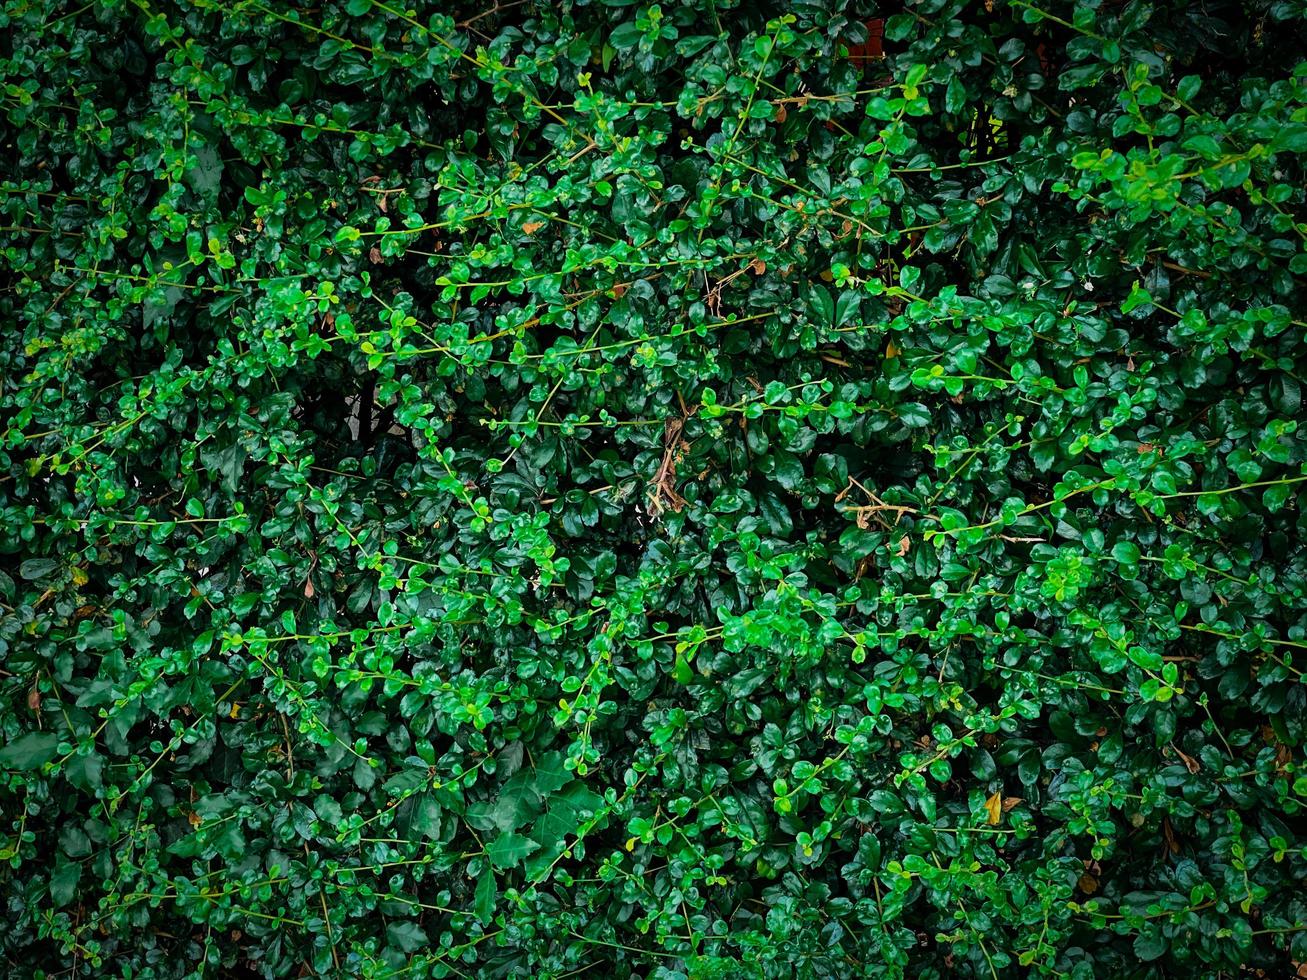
(711,489)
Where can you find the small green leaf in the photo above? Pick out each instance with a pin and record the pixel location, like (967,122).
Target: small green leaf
(1138,297)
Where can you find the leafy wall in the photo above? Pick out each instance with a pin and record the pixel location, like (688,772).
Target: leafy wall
(719,489)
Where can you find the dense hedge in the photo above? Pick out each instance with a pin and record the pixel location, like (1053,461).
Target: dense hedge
(717,489)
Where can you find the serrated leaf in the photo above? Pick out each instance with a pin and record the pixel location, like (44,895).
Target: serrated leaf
(510,849)
(30,751)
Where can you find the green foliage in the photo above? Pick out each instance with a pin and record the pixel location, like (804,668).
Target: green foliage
(711,489)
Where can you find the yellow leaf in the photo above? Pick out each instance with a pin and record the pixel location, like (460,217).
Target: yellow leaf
(994,808)
(891,350)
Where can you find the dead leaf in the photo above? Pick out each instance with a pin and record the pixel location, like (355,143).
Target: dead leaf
(758,266)
(1189,761)
(994,808)
(662,488)
(1282,756)
(531,227)
(905,545)
(781,114)
(34,700)
(1088,884)
(308,588)
(891,351)
(1172,844)
(195,819)
(374,255)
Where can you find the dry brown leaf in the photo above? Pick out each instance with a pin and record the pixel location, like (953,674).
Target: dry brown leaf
(662,488)
(1088,884)
(1172,844)
(34,700)
(1189,761)
(905,545)
(374,255)
(994,808)
(891,351)
(308,588)
(531,227)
